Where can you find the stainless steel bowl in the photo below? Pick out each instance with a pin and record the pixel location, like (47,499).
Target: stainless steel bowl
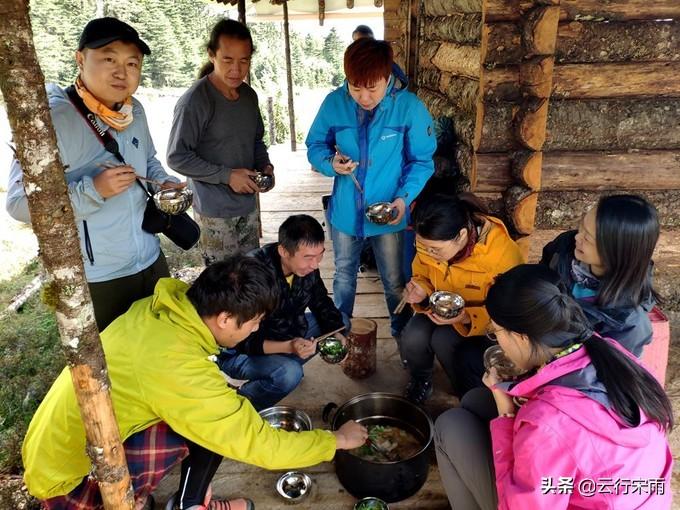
(287,418)
(294,486)
(264,181)
(174,201)
(331,350)
(371,504)
(506,369)
(446,305)
(380,213)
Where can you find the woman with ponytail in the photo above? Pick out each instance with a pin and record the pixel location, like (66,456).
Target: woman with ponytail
(590,432)
(607,266)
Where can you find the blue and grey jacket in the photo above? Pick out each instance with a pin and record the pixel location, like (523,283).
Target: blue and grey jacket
(393,145)
(120,247)
(628,325)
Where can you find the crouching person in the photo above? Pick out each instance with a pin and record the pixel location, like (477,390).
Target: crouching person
(272,358)
(170,399)
(590,432)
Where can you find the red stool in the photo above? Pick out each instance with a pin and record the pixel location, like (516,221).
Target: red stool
(655,355)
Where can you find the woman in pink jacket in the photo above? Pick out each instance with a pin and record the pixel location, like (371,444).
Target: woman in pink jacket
(591,429)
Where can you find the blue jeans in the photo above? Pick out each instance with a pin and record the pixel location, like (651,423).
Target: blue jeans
(388,251)
(270,376)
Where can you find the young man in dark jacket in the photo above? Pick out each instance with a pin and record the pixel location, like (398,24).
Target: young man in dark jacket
(271,359)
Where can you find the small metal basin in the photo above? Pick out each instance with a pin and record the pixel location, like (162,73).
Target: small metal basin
(264,181)
(287,418)
(331,350)
(371,504)
(293,486)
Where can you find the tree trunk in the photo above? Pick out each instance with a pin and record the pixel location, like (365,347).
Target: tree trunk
(591,42)
(564,209)
(606,124)
(583,170)
(22,84)
(289,79)
(592,10)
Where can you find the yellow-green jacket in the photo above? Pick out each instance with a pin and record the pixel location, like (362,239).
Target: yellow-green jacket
(158,356)
(494,253)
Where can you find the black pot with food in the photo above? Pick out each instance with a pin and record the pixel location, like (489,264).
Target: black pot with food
(394,463)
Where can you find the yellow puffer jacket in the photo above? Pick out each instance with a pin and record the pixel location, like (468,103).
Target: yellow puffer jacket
(494,253)
(159,361)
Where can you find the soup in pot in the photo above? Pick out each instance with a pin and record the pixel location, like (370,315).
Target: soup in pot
(389,444)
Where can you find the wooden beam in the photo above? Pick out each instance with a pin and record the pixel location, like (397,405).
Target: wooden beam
(289,78)
(458,28)
(605,124)
(539,31)
(530,121)
(588,81)
(595,10)
(591,42)
(586,170)
(458,59)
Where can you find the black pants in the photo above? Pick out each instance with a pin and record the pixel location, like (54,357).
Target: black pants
(198,470)
(112,298)
(462,358)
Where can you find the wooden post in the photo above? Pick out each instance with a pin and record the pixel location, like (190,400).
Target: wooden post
(289,78)
(322,10)
(242,11)
(272,124)
(22,85)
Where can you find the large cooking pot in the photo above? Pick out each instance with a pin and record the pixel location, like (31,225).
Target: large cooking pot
(390,481)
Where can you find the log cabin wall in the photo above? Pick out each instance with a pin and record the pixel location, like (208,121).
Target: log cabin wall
(613,117)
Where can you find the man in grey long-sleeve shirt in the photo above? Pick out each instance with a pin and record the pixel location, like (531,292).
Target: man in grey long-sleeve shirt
(216,141)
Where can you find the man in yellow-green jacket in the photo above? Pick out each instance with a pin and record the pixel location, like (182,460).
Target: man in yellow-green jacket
(170,398)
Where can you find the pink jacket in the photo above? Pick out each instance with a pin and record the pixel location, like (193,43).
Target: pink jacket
(565,450)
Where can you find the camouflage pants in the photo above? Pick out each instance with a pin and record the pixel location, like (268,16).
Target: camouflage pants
(221,237)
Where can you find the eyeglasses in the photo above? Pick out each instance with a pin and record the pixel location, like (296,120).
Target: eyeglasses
(491,333)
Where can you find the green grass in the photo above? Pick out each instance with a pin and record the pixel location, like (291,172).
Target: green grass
(31,357)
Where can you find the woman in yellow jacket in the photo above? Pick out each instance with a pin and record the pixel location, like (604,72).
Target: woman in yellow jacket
(461,249)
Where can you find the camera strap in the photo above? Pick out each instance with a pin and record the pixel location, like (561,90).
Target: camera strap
(109,143)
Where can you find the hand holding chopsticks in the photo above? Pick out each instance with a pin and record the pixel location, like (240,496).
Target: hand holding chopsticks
(345,160)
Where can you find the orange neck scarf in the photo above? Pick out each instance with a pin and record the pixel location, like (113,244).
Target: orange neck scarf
(118,120)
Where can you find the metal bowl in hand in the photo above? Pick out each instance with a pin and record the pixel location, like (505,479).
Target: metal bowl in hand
(331,350)
(287,418)
(173,201)
(294,486)
(495,357)
(446,305)
(380,213)
(264,181)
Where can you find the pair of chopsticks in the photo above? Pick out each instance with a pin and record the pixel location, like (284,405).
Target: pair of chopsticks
(323,337)
(161,185)
(400,307)
(345,159)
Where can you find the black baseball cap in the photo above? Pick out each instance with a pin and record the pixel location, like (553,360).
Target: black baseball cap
(102,31)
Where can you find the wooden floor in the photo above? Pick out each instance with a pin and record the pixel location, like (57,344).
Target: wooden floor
(299,190)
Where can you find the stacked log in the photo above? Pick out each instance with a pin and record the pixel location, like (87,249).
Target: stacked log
(529,121)
(450,53)
(613,123)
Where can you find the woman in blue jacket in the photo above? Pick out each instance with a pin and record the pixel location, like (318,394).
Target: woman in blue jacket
(375,129)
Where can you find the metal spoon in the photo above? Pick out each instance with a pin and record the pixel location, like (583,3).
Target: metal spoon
(345,159)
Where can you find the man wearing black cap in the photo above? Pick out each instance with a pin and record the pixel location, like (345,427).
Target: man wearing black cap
(122,261)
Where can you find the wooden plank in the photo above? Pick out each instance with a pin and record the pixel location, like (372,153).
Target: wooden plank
(604,124)
(589,42)
(575,171)
(596,10)
(284,201)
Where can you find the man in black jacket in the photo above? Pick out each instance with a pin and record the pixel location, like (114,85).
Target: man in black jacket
(271,359)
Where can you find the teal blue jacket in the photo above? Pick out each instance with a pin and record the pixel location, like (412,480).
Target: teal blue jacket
(393,144)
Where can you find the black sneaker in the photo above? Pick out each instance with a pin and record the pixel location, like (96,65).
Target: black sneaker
(418,390)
